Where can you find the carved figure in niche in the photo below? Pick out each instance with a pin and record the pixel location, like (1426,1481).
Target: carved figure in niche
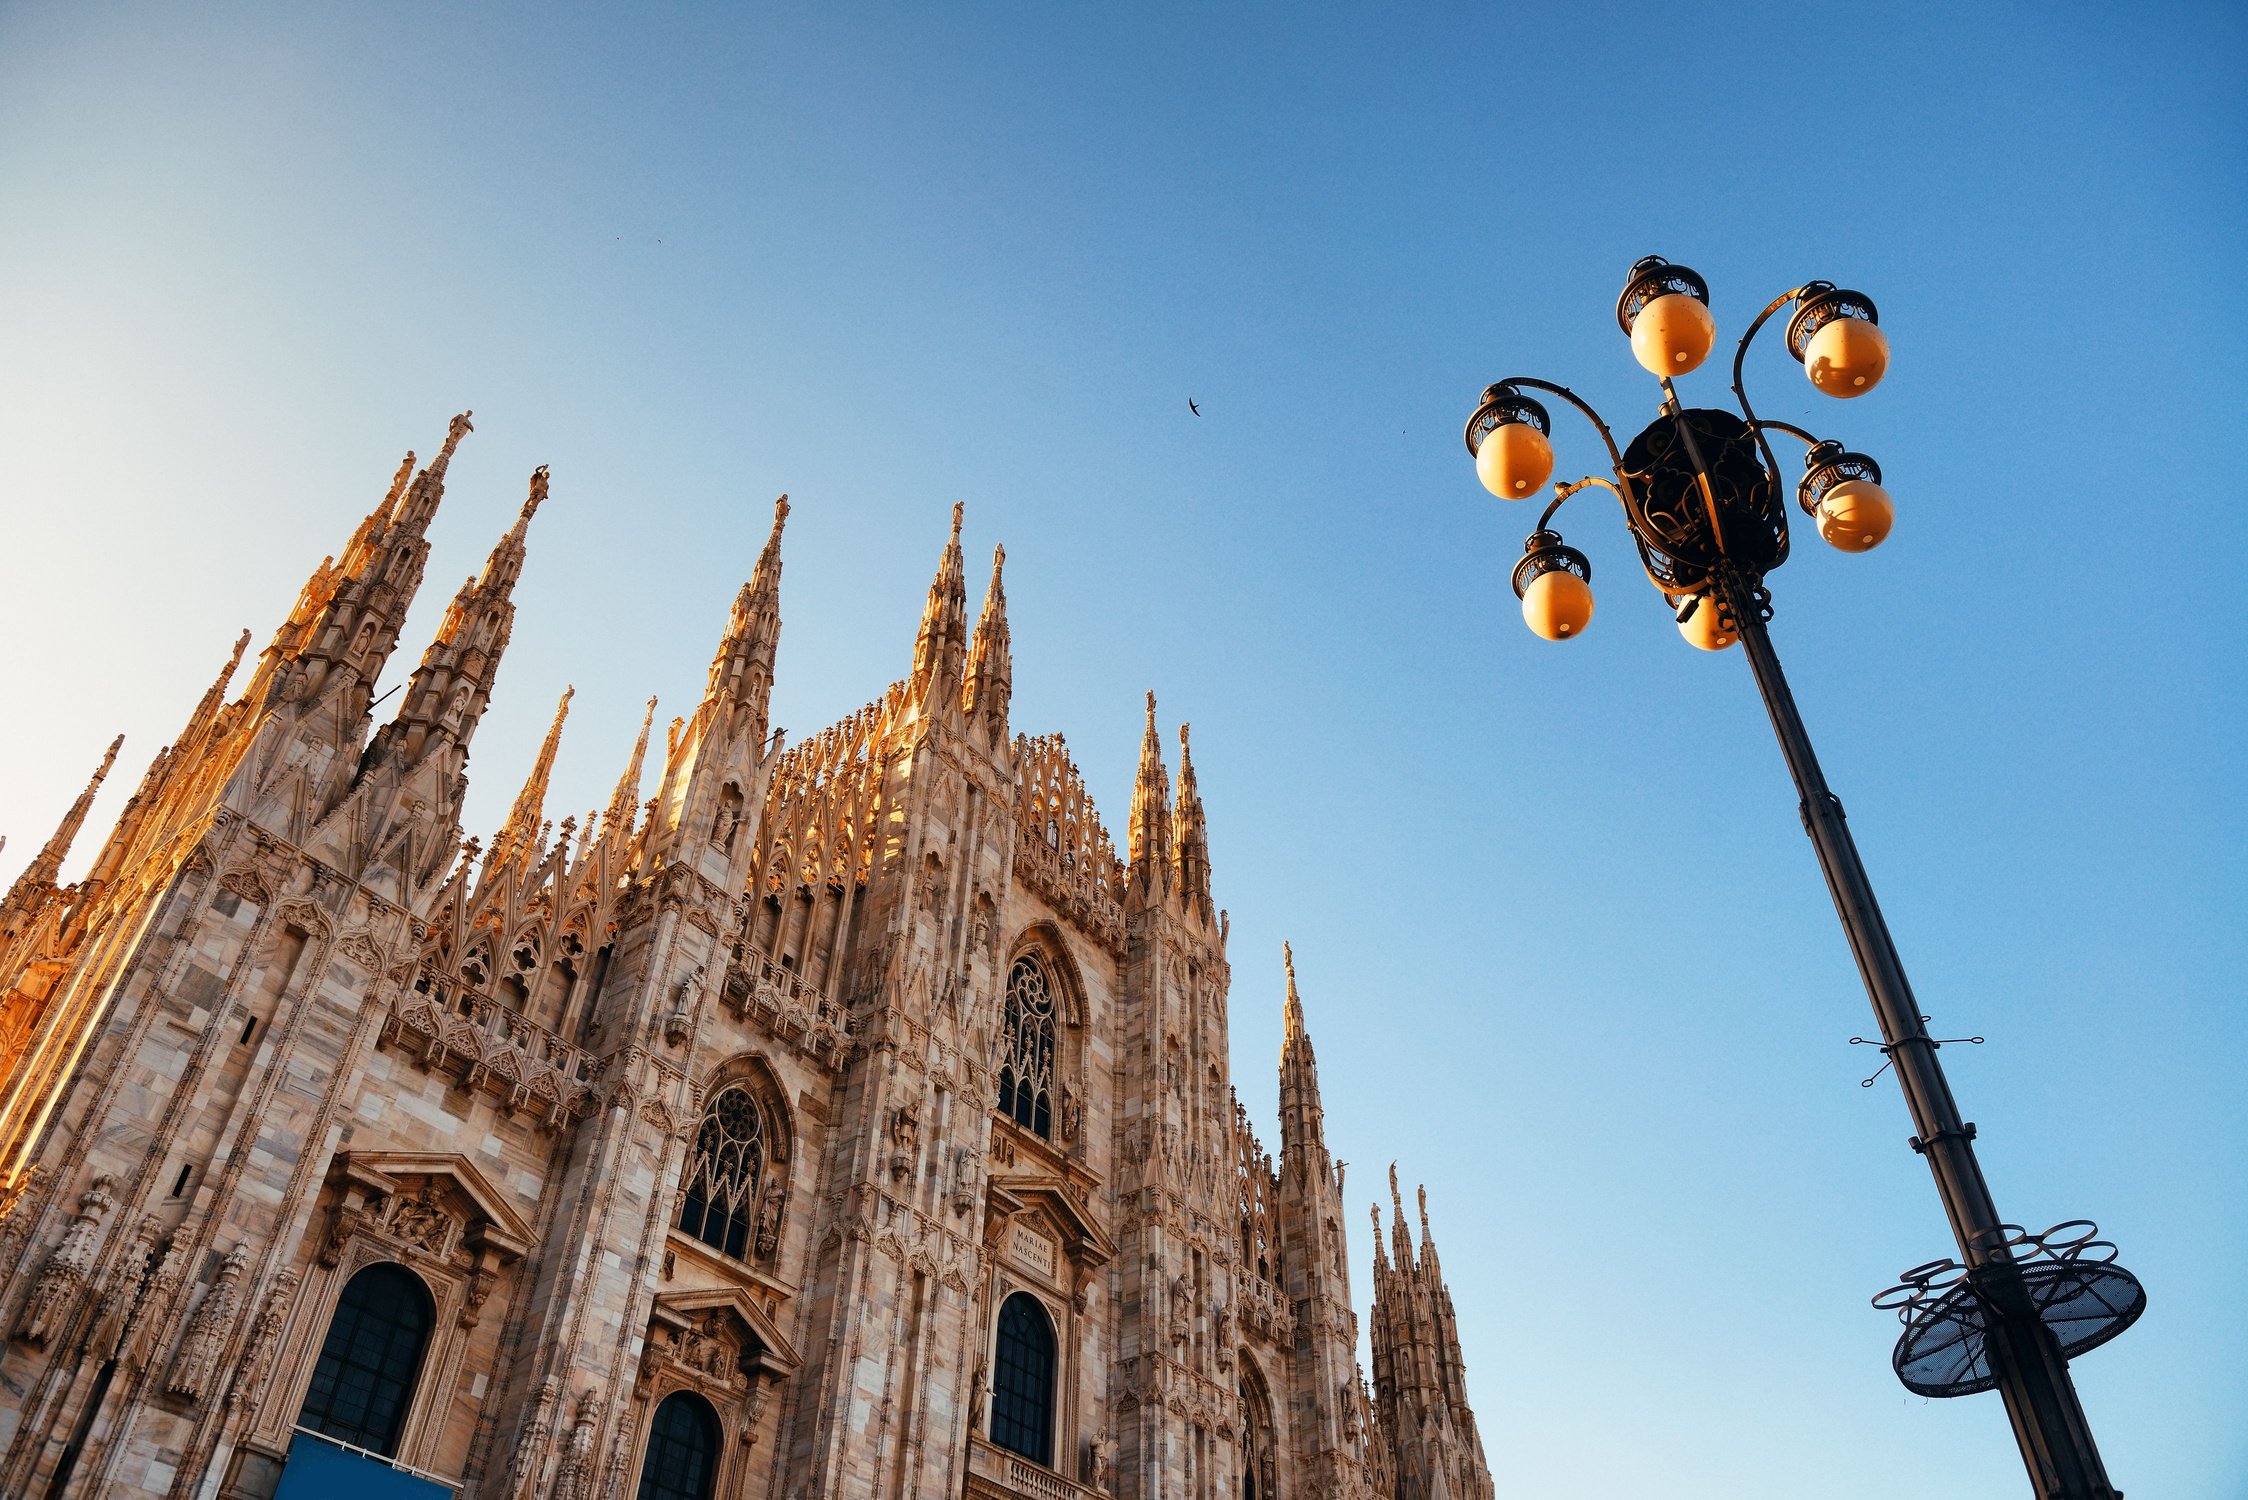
(1224,1321)
(976,1399)
(1073,1113)
(1268,1480)
(932,886)
(1100,1464)
(964,1175)
(1182,1315)
(769,1221)
(680,1023)
(905,1139)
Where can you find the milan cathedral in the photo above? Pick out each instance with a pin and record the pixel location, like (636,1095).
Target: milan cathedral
(850,1119)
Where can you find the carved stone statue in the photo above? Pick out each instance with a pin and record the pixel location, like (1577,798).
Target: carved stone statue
(680,1024)
(905,1139)
(1100,1464)
(420,1220)
(769,1220)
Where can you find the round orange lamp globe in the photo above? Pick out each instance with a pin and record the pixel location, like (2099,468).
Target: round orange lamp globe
(1672,334)
(1856,515)
(1705,630)
(1847,357)
(1557,605)
(1514,460)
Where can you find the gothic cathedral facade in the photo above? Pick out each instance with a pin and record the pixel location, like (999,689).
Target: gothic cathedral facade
(849,1120)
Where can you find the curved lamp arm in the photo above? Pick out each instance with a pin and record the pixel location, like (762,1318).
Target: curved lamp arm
(1615,454)
(1807,439)
(1633,516)
(1740,357)
(1562,492)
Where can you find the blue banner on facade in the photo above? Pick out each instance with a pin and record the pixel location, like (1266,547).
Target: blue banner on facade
(322,1471)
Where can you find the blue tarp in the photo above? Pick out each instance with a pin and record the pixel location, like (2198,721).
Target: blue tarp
(320,1470)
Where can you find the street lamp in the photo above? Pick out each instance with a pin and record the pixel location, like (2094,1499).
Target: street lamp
(1702,497)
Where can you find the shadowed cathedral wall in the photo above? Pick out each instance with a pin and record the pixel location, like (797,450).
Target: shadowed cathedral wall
(723,1104)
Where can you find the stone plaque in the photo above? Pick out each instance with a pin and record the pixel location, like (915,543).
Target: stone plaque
(1033,1249)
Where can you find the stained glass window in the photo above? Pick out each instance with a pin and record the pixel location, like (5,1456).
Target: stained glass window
(1026,1049)
(719,1203)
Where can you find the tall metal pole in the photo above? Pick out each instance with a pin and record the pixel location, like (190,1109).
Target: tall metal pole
(2041,1401)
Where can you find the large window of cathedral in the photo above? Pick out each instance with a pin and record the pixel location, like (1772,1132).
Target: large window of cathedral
(363,1385)
(719,1200)
(1022,1380)
(1259,1479)
(682,1459)
(1026,1048)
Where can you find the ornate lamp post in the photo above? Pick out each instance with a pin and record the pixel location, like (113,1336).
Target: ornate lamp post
(1702,495)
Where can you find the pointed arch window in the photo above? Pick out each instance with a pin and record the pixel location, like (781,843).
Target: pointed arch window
(719,1201)
(1258,1476)
(1026,1048)
(682,1460)
(1022,1381)
(371,1361)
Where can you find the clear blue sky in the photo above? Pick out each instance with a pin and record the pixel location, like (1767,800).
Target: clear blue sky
(1566,954)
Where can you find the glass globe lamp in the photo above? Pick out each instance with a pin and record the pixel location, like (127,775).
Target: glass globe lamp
(1664,310)
(1554,583)
(1507,435)
(1837,336)
(1704,626)
(1841,492)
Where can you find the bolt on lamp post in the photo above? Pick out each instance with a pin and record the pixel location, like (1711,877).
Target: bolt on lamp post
(1701,495)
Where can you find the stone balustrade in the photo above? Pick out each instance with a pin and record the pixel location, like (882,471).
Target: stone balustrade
(995,1471)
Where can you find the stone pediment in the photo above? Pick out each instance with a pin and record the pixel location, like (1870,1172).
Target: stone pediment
(684,1312)
(495,1226)
(1062,1204)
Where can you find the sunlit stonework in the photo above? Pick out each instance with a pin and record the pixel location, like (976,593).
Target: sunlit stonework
(849,1120)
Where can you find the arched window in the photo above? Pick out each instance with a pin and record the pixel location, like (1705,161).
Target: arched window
(1022,1381)
(1258,1479)
(1026,1049)
(719,1205)
(682,1461)
(365,1379)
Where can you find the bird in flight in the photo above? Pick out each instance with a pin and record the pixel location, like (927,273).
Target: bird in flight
(1190,406)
